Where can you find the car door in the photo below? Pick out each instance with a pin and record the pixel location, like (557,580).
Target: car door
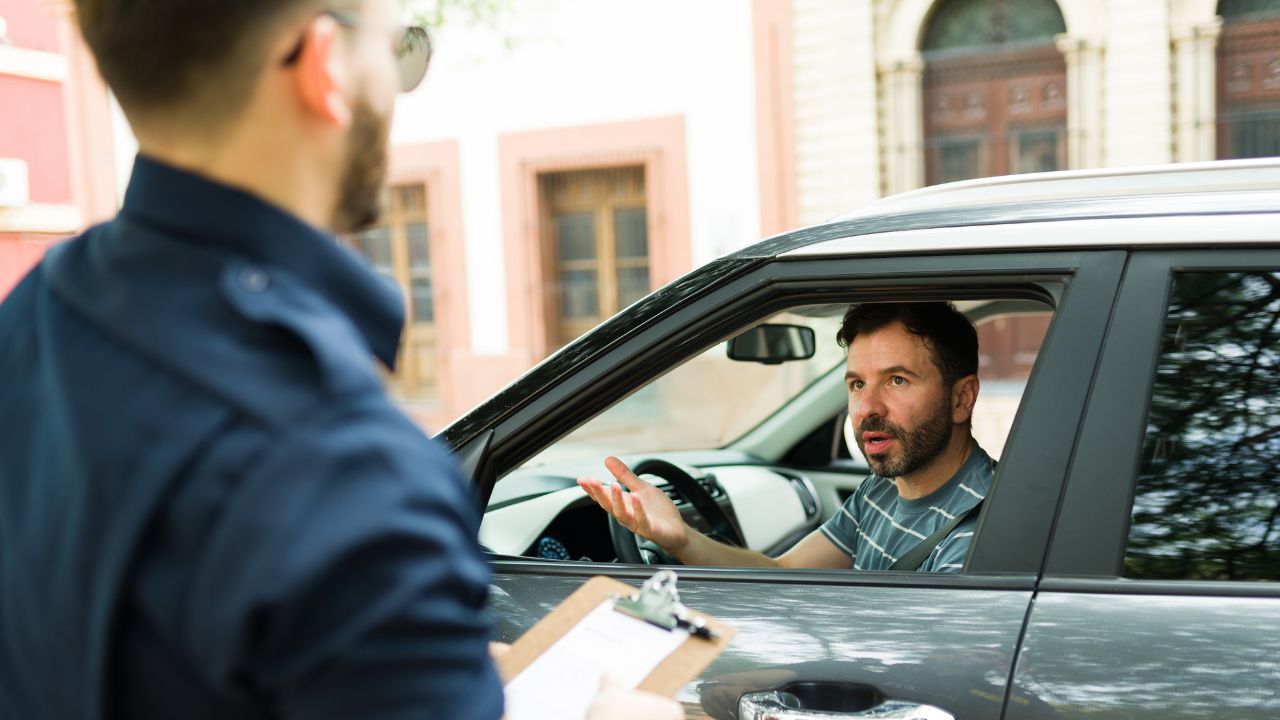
(1159,597)
(836,641)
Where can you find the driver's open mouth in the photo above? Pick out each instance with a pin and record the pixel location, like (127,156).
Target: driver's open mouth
(876,442)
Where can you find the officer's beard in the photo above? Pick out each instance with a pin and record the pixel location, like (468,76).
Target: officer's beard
(360,192)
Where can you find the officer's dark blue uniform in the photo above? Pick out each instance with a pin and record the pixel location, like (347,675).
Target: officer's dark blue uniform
(208,507)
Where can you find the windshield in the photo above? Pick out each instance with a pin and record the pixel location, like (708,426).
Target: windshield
(708,402)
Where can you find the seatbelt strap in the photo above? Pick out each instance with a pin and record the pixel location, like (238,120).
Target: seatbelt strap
(915,557)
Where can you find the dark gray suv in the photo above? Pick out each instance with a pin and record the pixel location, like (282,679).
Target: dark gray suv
(1126,559)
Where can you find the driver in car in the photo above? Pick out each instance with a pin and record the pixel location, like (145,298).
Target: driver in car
(912,382)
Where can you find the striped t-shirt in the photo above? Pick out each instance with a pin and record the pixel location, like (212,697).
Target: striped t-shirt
(876,527)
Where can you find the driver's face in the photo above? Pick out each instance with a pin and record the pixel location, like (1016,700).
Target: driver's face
(898,403)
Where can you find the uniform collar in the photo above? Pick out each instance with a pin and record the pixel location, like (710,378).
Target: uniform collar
(196,209)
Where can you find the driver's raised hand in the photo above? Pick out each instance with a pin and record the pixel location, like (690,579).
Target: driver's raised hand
(645,511)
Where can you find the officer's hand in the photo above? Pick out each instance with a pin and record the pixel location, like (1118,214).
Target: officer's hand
(617,702)
(645,511)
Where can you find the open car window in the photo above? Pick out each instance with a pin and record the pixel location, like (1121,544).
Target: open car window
(771,436)
(707,402)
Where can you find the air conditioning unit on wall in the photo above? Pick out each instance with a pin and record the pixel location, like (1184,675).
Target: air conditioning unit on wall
(14,190)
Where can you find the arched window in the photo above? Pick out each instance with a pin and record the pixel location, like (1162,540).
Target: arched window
(1249,79)
(995,89)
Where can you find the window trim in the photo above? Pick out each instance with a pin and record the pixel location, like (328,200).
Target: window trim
(507,565)
(656,144)
(1130,586)
(435,165)
(1091,530)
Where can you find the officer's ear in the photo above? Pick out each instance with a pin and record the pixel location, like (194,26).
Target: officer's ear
(322,71)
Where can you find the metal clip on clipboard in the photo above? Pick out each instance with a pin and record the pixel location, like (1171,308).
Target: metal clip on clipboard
(586,634)
(658,603)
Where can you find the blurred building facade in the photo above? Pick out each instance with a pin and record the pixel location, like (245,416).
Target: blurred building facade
(890,95)
(936,90)
(557,167)
(57,171)
(558,170)
(623,139)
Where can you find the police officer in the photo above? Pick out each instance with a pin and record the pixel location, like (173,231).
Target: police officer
(208,506)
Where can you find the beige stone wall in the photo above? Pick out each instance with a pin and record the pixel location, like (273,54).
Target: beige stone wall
(1137,97)
(837,132)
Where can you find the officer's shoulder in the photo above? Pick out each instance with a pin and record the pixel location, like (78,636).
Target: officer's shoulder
(285,322)
(366,431)
(371,421)
(249,334)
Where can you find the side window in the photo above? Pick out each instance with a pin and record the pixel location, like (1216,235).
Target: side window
(767,432)
(1008,346)
(1208,492)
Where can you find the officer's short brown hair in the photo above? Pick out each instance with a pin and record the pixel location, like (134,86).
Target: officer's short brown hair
(193,61)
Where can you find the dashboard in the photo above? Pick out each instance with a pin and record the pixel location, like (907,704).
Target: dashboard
(541,512)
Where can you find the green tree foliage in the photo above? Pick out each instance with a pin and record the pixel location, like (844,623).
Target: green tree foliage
(1207,503)
(437,13)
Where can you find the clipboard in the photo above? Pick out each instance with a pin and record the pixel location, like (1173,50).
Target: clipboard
(656,603)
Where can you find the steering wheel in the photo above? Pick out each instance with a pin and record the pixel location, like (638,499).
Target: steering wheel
(633,549)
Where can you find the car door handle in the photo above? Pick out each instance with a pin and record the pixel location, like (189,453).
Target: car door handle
(780,705)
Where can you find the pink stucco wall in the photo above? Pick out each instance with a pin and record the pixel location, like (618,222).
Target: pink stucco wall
(33,128)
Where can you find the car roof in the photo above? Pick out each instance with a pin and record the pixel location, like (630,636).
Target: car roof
(1177,179)
(1211,190)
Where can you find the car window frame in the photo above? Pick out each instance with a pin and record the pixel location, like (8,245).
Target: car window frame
(1014,527)
(1091,529)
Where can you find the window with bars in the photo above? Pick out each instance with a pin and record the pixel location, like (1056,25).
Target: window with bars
(596,249)
(400,250)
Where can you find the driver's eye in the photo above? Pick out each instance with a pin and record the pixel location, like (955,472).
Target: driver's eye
(856,385)
(898,380)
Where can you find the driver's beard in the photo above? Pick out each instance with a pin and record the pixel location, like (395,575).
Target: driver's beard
(916,448)
(365,170)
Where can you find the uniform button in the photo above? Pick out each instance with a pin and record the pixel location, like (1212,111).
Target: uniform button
(254,279)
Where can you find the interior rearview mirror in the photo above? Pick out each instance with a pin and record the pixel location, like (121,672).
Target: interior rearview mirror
(773,344)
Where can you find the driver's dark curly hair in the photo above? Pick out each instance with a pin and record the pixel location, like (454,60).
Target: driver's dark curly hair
(945,331)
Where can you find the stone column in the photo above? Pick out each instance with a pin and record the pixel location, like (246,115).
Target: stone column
(1195,84)
(903,83)
(836,136)
(1084,60)
(1138,84)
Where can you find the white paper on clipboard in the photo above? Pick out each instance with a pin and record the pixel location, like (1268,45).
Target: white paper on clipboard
(561,683)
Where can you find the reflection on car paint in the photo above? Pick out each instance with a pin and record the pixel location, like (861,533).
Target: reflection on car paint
(956,653)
